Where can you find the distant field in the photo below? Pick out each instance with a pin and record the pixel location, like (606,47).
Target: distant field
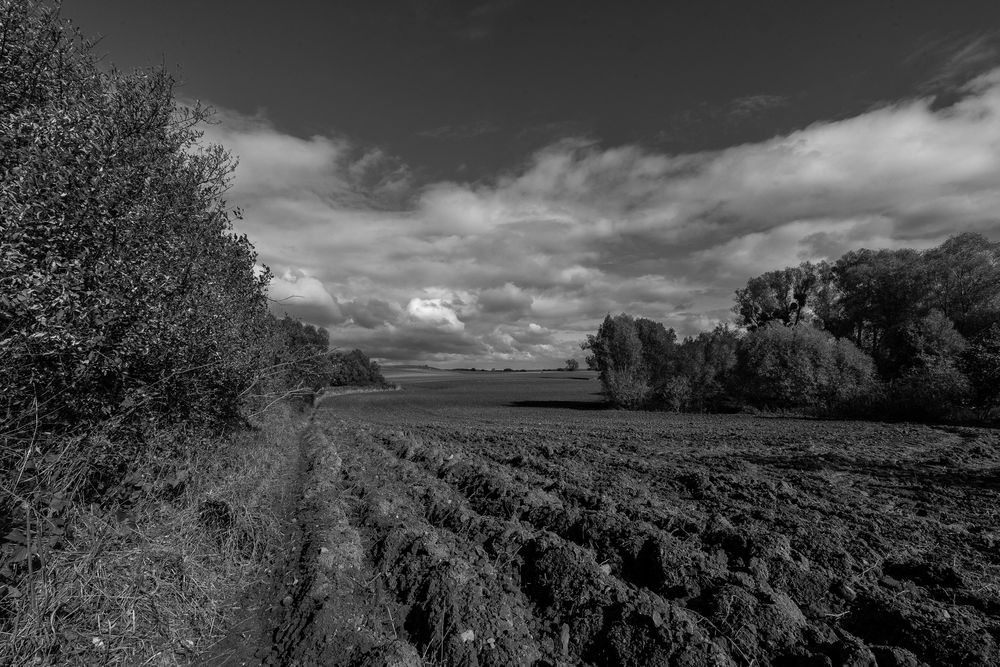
(415,374)
(509,518)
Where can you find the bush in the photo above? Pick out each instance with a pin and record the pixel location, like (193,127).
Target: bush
(981,362)
(699,376)
(674,394)
(354,368)
(934,388)
(617,353)
(125,291)
(781,367)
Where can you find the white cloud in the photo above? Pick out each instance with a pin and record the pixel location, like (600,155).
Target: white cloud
(436,313)
(305,297)
(458,273)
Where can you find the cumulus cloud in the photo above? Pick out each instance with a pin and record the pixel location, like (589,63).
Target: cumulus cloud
(521,268)
(304,297)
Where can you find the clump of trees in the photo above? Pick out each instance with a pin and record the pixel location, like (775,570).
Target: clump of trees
(641,364)
(800,367)
(354,368)
(904,333)
(302,362)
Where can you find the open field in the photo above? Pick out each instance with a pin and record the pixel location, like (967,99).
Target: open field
(500,519)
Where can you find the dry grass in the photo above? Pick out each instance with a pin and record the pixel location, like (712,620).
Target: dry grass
(155,584)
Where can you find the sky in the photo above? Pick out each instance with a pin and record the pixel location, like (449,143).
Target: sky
(478,183)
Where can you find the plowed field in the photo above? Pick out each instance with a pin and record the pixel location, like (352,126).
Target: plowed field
(507,519)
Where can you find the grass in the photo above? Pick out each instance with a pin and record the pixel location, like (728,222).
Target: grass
(159,580)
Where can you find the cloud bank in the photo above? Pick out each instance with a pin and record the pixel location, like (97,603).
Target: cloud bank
(515,272)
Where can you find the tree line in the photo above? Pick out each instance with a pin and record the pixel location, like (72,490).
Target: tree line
(896,333)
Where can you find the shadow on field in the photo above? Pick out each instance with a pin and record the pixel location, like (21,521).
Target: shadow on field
(565,405)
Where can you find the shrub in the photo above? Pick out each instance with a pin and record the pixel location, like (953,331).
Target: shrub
(802,367)
(354,368)
(933,388)
(125,289)
(981,362)
(700,374)
(674,394)
(616,352)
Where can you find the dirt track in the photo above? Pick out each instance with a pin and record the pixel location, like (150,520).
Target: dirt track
(508,522)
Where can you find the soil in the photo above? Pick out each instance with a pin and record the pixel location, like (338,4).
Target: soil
(506,519)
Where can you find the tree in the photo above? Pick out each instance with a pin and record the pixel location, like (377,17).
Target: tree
(301,357)
(801,367)
(792,295)
(354,368)
(933,387)
(881,293)
(617,353)
(700,374)
(965,281)
(658,347)
(981,362)
(572,364)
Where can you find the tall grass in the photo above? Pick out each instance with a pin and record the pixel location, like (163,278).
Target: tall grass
(157,576)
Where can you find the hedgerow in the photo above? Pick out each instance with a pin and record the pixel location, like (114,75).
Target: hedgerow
(125,292)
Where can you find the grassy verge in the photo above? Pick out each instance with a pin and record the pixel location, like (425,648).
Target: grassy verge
(159,578)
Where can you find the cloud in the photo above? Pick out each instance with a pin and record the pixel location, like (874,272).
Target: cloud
(275,165)
(518,270)
(508,300)
(953,60)
(304,297)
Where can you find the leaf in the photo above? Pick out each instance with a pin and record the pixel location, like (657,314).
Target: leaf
(16,536)
(20,555)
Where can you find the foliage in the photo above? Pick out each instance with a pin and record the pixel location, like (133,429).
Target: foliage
(883,330)
(965,281)
(300,356)
(801,367)
(616,351)
(572,364)
(790,296)
(896,305)
(658,344)
(354,368)
(701,371)
(125,291)
(933,388)
(981,362)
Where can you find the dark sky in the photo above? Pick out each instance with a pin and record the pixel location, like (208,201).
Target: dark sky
(461,89)
(480,183)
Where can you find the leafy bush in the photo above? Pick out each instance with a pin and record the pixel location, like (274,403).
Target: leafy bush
(801,367)
(616,351)
(982,368)
(354,368)
(301,356)
(933,388)
(125,291)
(699,376)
